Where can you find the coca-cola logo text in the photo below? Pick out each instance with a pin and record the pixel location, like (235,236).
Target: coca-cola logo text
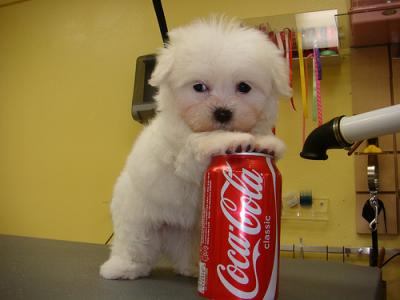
(243,216)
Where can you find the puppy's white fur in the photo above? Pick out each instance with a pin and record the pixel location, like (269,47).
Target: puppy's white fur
(157,198)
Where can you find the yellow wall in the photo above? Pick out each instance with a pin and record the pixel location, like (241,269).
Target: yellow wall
(66,80)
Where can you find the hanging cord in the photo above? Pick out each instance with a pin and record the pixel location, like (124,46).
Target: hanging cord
(302,74)
(289,36)
(382,206)
(390,258)
(314,84)
(109,239)
(319,99)
(302,82)
(161,20)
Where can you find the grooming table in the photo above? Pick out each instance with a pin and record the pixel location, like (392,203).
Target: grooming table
(47,269)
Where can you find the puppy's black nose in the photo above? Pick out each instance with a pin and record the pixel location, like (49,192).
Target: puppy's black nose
(222,115)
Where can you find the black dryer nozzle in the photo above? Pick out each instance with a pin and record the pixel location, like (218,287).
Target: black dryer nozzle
(325,137)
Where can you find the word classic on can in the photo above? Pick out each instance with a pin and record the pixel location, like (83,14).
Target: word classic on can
(239,248)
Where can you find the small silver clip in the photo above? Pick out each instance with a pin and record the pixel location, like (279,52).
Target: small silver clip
(373,225)
(373,186)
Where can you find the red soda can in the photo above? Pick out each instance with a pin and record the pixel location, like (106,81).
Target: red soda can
(239,248)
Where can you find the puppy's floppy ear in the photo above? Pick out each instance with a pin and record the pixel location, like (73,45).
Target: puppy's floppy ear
(280,77)
(165,60)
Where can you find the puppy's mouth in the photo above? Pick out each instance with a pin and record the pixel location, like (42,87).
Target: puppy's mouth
(225,127)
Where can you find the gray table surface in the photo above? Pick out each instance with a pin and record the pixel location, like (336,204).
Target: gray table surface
(47,269)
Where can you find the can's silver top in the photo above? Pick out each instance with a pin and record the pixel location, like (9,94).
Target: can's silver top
(247,154)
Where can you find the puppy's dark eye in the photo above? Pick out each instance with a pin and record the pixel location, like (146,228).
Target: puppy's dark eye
(243,88)
(200,87)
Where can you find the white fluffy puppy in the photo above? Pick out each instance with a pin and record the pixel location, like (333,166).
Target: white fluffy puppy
(219,84)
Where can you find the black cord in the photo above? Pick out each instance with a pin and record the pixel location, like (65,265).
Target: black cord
(109,239)
(382,206)
(390,258)
(161,20)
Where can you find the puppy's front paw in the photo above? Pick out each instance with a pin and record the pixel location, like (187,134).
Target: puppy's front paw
(270,144)
(118,268)
(205,146)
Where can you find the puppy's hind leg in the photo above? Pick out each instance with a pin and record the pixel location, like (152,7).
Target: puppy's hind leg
(181,246)
(133,253)
(136,243)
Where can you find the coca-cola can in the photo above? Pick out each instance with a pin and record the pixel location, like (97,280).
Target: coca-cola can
(239,248)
